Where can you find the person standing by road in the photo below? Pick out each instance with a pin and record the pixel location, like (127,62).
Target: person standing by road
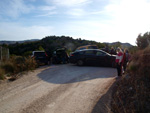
(119,57)
(125,59)
(112,51)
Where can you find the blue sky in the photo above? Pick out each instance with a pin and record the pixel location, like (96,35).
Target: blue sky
(98,20)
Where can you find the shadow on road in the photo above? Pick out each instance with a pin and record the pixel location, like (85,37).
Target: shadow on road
(68,73)
(103,105)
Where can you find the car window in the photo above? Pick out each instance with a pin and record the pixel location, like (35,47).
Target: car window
(99,53)
(81,52)
(89,52)
(92,47)
(39,54)
(82,48)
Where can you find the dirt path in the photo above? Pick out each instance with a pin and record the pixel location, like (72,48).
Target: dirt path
(57,89)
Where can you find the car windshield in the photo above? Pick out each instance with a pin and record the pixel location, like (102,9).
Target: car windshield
(39,54)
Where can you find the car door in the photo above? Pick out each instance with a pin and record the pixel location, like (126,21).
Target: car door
(101,58)
(90,57)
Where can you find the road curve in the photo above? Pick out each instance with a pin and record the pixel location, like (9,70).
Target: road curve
(57,89)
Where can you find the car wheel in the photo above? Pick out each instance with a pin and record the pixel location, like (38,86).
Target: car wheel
(80,62)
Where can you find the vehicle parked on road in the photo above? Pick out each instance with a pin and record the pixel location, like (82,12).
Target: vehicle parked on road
(87,47)
(92,57)
(40,57)
(60,56)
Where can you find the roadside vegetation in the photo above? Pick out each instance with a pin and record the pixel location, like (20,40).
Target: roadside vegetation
(132,92)
(15,65)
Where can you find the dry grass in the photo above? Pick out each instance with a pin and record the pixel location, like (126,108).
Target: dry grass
(2,73)
(132,93)
(15,65)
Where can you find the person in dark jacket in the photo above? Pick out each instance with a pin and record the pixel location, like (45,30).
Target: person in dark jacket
(112,51)
(125,59)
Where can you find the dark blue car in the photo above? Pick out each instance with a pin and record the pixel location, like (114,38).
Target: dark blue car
(92,57)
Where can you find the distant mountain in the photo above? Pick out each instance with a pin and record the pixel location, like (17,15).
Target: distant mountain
(13,42)
(124,45)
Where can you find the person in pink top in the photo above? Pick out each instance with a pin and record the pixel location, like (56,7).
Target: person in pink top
(119,57)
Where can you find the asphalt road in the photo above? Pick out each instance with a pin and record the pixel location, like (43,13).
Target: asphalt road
(58,89)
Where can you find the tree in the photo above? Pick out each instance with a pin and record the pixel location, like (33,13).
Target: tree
(143,41)
(100,45)
(41,48)
(117,44)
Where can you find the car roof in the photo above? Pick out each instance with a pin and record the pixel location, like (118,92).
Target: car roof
(93,50)
(85,46)
(90,50)
(38,52)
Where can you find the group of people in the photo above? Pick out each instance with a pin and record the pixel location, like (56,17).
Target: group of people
(122,58)
(111,51)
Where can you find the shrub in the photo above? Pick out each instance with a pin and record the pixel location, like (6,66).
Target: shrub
(2,74)
(132,68)
(143,41)
(15,65)
(30,63)
(8,67)
(133,91)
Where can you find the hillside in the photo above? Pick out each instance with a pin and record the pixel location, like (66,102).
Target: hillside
(13,42)
(51,43)
(124,45)
(32,40)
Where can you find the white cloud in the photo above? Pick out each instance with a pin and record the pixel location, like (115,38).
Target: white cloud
(76,12)
(69,3)
(32,0)
(46,14)
(73,8)
(14,8)
(46,11)
(14,31)
(47,8)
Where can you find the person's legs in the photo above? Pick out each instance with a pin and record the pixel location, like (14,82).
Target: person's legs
(119,70)
(124,66)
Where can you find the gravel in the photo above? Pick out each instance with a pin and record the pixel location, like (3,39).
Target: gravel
(57,89)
